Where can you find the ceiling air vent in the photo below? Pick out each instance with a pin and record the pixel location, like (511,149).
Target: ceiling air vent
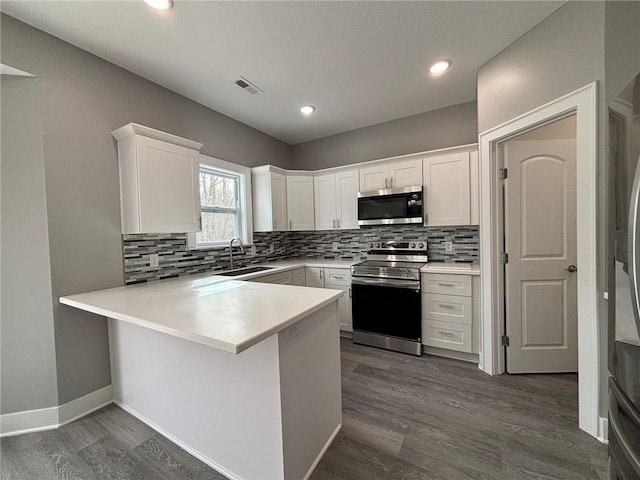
(247,86)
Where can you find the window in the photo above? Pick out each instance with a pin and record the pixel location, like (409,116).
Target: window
(225,203)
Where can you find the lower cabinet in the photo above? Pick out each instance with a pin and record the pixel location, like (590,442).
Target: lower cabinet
(450,312)
(299,277)
(336,279)
(283,278)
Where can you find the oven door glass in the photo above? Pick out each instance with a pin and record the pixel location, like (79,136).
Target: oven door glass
(383,310)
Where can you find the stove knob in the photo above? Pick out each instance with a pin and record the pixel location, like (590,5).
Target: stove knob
(370,245)
(378,245)
(421,246)
(412,245)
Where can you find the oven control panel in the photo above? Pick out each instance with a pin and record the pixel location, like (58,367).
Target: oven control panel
(417,246)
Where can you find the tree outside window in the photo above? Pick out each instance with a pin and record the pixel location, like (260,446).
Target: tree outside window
(220,203)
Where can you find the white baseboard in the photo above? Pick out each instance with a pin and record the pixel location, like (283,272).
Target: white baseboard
(31,421)
(178,442)
(85,405)
(603,430)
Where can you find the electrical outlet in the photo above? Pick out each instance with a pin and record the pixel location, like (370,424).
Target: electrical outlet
(154,260)
(335,246)
(272,248)
(252,251)
(448,246)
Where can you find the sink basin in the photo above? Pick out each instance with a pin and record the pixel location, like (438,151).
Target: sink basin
(243,271)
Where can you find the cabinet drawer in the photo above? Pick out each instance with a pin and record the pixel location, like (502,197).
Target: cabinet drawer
(445,284)
(446,308)
(337,276)
(284,278)
(453,336)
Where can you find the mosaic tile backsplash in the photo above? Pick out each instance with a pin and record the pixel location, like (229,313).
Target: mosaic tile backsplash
(176,260)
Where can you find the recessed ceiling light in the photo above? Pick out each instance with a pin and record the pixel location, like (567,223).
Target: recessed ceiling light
(160,4)
(439,67)
(308,109)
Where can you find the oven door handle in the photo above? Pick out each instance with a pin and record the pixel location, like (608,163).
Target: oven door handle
(386,282)
(617,400)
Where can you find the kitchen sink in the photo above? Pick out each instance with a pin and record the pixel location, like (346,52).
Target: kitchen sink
(243,271)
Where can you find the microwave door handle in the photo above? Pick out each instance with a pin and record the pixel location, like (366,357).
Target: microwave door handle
(634,246)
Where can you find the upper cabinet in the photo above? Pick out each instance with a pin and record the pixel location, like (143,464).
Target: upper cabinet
(451,189)
(336,205)
(300,202)
(159,181)
(269,199)
(399,174)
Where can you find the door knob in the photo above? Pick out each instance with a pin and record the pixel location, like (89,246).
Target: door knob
(571,269)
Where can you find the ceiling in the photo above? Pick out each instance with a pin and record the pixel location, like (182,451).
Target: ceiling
(360,63)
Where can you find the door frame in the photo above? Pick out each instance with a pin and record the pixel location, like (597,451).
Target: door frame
(582,102)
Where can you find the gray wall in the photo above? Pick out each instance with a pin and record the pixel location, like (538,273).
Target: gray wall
(562,53)
(622,45)
(84,99)
(446,127)
(28,367)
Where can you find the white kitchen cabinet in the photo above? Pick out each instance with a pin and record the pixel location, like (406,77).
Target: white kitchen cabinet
(299,277)
(269,199)
(450,311)
(474,187)
(340,279)
(300,200)
(336,200)
(407,173)
(282,278)
(447,189)
(159,181)
(315,277)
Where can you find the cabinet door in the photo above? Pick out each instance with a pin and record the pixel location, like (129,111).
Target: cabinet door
(325,201)
(345,321)
(315,277)
(347,199)
(169,187)
(374,178)
(299,277)
(282,278)
(405,174)
(300,203)
(446,189)
(279,201)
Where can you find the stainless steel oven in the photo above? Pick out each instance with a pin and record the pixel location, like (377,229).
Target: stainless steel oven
(392,206)
(386,299)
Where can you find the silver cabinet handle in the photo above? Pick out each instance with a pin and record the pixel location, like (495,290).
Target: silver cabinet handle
(447,334)
(571,269)
(338,222)
(290,225)
(200,222)
(321,274)
(391,182)
(446,284)
(333,222)
(350,293)
(444,305)
(274,223)
(386,180)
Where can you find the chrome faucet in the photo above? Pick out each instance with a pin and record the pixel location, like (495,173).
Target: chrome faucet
(231,250)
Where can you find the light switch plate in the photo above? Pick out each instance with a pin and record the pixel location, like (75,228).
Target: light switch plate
(335,246)
(448,246)
(154,260)
(272,248)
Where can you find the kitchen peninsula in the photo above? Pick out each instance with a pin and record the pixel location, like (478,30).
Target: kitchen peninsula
(244,375)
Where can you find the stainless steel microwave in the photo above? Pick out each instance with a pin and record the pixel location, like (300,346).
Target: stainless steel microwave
(392,206)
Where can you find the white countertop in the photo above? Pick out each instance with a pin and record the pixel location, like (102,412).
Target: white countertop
(312,262)
(451,268)
(214,310)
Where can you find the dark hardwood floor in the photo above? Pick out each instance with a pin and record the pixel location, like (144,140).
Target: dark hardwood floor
(404,418)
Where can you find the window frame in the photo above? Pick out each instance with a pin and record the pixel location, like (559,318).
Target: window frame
(244,207)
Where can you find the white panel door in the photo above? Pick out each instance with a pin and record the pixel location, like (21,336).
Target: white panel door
(374,178)
(540,238)
(347,199)
(279,201)
(405,174)
(300,203)
(446,189)
(324,189)
(169,187)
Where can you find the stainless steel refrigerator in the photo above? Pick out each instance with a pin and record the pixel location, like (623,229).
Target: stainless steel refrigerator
(624,327)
